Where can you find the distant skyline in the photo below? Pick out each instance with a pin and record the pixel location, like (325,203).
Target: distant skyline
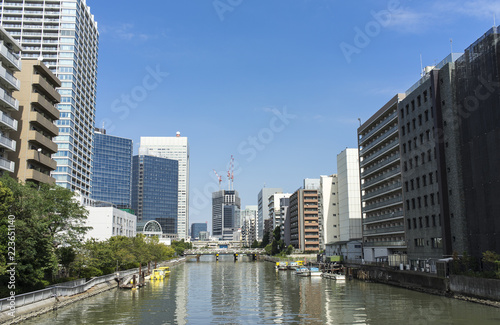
(278,84)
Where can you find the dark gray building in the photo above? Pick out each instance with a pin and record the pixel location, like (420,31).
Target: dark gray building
(450,136)
(196,228)
(226,207)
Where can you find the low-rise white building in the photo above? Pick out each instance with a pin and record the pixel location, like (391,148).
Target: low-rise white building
(109,221)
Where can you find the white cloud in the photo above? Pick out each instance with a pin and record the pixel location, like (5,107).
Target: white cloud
(124,32)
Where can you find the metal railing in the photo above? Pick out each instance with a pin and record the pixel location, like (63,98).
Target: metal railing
(68,288)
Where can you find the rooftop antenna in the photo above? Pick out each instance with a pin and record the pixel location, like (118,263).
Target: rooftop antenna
(421,66)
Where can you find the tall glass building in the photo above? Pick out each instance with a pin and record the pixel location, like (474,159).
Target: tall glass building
(112,177)
(196,228)
(173,148)
(154,191)
(63,34)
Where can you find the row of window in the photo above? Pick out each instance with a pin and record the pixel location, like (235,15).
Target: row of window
(415,183)
(435,242)
(419,103)
(422,201)
(421,222)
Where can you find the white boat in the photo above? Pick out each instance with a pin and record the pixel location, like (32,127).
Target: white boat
(339,277)
(314,271)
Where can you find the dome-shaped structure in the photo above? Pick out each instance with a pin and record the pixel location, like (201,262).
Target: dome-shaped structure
(149,228)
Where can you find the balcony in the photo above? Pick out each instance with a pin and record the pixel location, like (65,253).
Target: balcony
(399,244)
(381,125)
(383,204)
(35,175)
(382,178)
(7,101)
(384,217)
(380,152)
(7,123)
(382,191)
(7,143)
(380,165)
(42,141)
(49,108)
(384,231)
(6,165)
(9,59)
(42,159)
(391,131)
(8,80)
(46,124)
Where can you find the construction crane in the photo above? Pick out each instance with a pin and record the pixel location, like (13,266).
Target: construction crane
(219,178)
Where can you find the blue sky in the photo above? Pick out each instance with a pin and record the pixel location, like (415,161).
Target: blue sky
(278,84)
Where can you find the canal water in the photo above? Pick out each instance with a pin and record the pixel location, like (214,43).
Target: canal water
(246,292)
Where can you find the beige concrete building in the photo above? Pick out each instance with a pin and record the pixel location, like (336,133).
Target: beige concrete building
(36,130)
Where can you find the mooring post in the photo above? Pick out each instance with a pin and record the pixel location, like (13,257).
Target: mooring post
(235,257)
(217,257)
(133,281)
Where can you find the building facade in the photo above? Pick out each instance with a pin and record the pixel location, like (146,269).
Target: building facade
(381,186)
(10,63)
(349,195)
(329,210)
(107,222)
(304,220)
(154,191)
(248,227)
(112,177)
(196,228)
(176,148)
(64,35)
(226,205)
(263,208)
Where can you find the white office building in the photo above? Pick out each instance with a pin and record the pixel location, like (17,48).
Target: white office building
(329,210)
(275,208)
(107,222)
(263,208)
(349,195)
(63,34)
(176,148)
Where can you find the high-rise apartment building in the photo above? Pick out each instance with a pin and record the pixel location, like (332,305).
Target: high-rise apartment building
(154,191)
(263,208)
(36,129)
(349,200)
(304,220)
(112,177)
(226,205)
(176,148)
(381,187)
(248,220)
(63,34)
(274,209)
(10,63)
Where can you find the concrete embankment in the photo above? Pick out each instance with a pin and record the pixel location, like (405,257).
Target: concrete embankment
(56,302)
(479,290)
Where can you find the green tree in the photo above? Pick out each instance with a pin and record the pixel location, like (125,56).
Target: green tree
(255,244)
(265,240)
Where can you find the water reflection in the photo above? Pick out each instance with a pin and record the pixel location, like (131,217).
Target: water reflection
(246,292)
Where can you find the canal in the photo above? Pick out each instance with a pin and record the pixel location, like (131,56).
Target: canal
(245,292)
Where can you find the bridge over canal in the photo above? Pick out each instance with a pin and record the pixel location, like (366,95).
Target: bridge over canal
(236,252)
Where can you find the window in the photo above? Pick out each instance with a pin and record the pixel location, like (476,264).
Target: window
(412,105)
(426,114)
(419,202)
(419,101)
(434,220)
(418,182)
(406,186)
(420,222)
(425,200)
(415,223)
(413,204)
(430,178)
(404,147)
(409,223)
(432,199)
(424,180)
(419,242)
(427,221)
(403,130)
(412,185)
(437,242)
(402,113)
(425,96)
